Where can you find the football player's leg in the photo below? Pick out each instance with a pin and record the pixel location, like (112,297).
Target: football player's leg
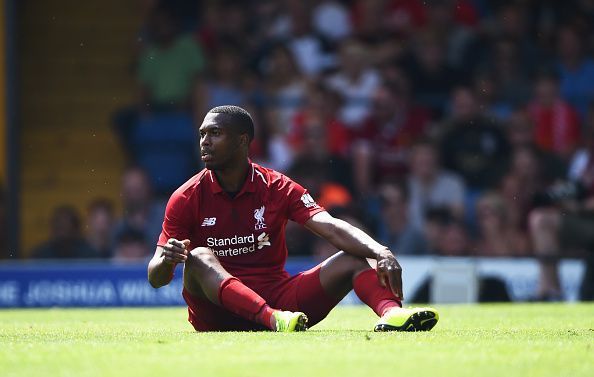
(204,277)
(321,288)
(343,272)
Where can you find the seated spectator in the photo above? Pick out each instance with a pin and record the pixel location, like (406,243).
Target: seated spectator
(285,89)
(472,145)
(316,129)
(285,95)
(428,69)
(486,88)
(556,124)
(142,211)
(66,239)
(372,19)
(446,235)
(561,224)
(224,85)
(444,18)
(99,228)
(331,20)
(430,186)
(389,132)
(355,82)
(303,42)
(507,63)
(131,246)
(166,73)
(576,70)
(170,65)
(395,230)
(497,236)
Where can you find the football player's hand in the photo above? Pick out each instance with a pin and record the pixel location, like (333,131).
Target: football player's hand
(175,251)
(389,273)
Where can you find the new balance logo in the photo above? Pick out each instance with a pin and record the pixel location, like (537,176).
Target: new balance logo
(308,201)
(209,221)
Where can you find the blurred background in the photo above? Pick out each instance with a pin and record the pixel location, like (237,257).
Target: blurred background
(460,133)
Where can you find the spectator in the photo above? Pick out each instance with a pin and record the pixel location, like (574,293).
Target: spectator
(100,222)
(170,65)
(395,230)
(372,19)
(356,83)
(131,246)
(497,236)
(66,239)
(294,26)
(393,126)
(562,222)
(430,72)
(576,70)
(472,145)
(166,73)
(506,63)
(142,212)
(557,128)
(316,131)
(285,96)
(224,85)
(330,19)
(460,37)
(489,98)
(520,183)
(430,186)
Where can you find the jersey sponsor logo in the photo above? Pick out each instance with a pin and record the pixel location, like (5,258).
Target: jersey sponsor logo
(259,216)
(238,244)
(209,221)
(263,240)
(308,201)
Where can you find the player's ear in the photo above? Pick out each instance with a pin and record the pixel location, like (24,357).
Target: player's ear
(244,139)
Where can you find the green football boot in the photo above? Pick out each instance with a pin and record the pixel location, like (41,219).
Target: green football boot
(290,321)
(410,319)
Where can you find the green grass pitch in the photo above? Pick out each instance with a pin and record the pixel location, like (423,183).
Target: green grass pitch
(482,340)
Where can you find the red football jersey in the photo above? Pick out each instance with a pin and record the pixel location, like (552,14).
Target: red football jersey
(247,232)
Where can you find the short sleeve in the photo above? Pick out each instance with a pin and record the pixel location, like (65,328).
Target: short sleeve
(178,220)
(301,205)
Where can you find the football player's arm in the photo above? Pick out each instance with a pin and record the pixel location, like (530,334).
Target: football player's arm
(173,245)
(166,257)
(354,241)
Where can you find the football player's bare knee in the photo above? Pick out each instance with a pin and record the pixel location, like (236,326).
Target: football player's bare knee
(201,258)
(203,273)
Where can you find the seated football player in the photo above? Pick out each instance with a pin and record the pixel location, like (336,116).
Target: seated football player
(227,226)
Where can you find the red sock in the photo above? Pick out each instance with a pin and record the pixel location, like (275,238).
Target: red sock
(370,291)
(241,300)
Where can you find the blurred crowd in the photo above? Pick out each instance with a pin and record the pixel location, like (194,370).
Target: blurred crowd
(435,125)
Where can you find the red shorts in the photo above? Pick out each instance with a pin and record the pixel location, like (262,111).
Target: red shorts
(302,292)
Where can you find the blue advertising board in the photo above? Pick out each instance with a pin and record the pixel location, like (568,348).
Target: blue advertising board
(104,284)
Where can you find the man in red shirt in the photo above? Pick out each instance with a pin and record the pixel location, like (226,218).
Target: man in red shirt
(226,224)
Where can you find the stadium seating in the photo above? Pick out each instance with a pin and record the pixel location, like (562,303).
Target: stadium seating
(165,146)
